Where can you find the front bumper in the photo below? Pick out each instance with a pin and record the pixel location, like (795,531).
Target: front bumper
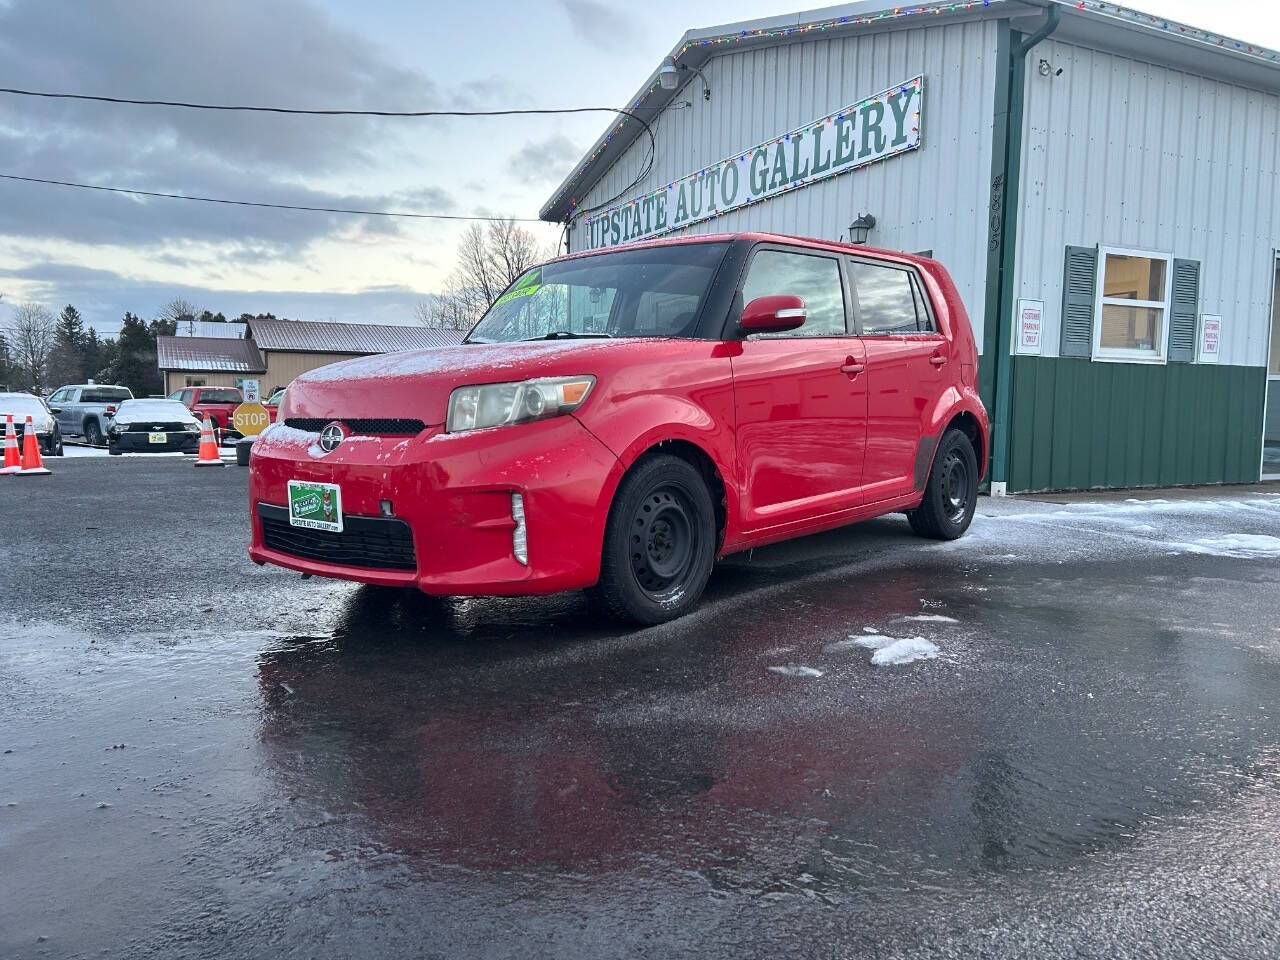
(454,493)
(137,442)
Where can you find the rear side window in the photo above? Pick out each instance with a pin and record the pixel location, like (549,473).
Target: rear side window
(816,280)
(219,396)
(887,300)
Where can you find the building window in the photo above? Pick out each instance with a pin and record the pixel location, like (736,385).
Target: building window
(1133,306)
(196,381)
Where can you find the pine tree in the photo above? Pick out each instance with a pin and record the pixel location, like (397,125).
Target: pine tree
(93,360)
(135,361)
(67,359)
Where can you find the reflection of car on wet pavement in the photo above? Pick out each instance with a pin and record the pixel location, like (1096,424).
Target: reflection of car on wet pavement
(618,420)
(152,426)
(23,405)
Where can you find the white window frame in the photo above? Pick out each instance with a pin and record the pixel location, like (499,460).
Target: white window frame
(1117,354)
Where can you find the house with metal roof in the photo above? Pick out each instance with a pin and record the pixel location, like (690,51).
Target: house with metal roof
(274,352)
(1101,183)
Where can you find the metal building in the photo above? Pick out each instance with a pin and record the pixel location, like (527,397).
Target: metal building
(1100,182)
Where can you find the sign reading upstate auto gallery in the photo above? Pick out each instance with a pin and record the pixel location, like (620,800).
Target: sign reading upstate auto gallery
(880,126)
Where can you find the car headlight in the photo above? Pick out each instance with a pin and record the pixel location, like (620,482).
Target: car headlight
(192,428)
(47,426)
(499,404)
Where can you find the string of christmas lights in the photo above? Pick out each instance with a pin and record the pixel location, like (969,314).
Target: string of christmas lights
(1263,54)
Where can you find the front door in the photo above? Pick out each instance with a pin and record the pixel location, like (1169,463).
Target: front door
(906,373)
(800,397)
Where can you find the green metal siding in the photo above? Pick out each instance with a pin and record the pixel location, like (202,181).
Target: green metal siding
(1078,424)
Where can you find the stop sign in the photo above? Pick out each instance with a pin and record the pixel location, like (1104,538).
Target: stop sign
(250,419)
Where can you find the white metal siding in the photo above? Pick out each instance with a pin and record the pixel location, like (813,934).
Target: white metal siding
(933,199)
(1125,153)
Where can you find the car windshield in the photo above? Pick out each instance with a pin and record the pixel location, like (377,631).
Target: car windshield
(169,411)
(650,292)
(219,396)
(21,405)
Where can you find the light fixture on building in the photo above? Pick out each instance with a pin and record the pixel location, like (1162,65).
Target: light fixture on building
(671,77)
(859,229)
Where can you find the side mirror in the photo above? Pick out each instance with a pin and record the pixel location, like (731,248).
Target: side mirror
(772,314)
(55,409)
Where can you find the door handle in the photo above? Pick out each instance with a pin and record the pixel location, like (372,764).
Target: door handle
(937,359)
(852,367)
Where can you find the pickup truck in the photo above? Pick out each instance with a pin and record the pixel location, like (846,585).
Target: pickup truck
(217,403)
(84,409)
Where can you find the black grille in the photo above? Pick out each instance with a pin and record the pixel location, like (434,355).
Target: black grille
(381,543)
(156,428)
(383,427)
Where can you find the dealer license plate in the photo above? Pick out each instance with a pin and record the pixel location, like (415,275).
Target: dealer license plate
(157,438)
(315,506)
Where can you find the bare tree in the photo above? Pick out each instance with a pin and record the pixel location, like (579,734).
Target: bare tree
(30,339)
(178,312)
(490,258)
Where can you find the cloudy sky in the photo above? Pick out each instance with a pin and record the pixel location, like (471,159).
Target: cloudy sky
(108,253)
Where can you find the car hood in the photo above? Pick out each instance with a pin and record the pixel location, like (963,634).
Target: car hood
(417,384)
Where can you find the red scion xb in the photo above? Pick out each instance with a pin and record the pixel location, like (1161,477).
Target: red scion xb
(620,419)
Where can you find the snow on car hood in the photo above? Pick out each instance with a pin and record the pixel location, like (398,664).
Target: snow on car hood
(417,384)
(155,411)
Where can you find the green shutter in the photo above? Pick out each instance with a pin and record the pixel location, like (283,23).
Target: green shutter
(1079,284)
(1186,305)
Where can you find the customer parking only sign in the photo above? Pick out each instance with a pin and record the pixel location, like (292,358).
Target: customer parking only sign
(881,126)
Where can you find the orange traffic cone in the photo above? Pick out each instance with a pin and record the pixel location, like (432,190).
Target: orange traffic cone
(32,465)
(208,448)
(12,462)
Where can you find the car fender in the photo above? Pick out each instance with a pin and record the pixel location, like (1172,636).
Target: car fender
(950,403)
(634,425)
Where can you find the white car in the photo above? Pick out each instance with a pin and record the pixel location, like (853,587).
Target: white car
(23,405)
(155,426)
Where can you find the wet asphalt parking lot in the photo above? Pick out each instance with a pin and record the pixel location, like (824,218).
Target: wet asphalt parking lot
(202,758)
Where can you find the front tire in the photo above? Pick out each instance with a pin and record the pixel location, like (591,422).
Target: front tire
(951,494)
(659,544)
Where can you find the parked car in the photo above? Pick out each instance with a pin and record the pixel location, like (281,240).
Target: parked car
(23,405)
(619,419)
(82,409)
(272,403)
(153,426)
(217,403)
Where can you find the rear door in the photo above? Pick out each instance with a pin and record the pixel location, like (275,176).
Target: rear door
(799,397)
(907,360)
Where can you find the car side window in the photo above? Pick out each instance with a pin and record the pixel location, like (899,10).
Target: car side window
(886,300)
(815,279)
(60,396)
(924,316)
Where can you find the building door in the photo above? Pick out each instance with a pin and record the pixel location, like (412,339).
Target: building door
(800,397)
(1271,424)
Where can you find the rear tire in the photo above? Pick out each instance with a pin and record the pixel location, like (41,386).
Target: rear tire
(93,433)
(659,543)
(951,493)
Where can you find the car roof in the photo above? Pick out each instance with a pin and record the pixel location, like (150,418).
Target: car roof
(811,243)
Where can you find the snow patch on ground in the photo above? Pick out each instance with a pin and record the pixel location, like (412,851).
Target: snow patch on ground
(931,618)
(790,670)
(899,652)
(1244,545)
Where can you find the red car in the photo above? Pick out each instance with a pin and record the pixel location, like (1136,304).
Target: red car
(620,419)
(217,403)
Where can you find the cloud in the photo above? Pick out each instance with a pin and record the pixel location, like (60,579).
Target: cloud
(102,296)
(545,161)
(287,52)
(598,24)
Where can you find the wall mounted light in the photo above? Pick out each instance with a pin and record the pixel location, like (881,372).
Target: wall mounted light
(669,76)
(859,229)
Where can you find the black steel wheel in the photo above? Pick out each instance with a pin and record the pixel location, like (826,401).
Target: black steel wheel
(951,493)
(659,543)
